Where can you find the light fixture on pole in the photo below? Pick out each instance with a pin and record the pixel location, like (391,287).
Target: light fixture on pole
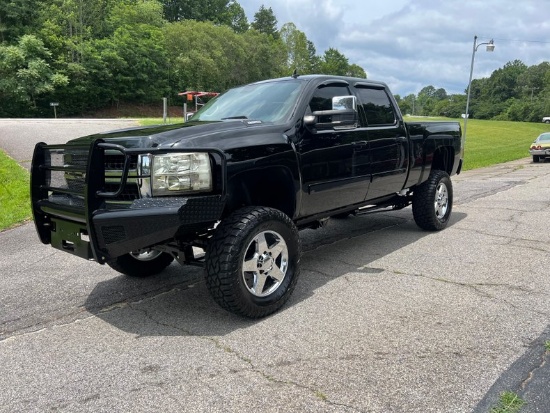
(490,47)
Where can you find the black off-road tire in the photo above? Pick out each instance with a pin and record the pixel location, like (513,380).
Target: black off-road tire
(252,261)
(433,202)
(536,158)
(147,265)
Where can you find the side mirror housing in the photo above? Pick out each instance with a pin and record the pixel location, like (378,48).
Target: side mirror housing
(343,115)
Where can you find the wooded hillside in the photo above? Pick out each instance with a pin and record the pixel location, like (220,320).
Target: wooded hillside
(88,55)
(91,54)
(515,92)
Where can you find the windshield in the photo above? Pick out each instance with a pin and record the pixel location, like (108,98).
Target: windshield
(545,137)
(268,102)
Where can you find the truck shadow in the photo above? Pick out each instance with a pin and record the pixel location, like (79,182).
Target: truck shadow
(177,302)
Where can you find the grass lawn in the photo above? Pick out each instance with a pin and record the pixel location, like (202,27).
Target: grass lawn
(491,142)
(14,192)
(488,143)
(158,121)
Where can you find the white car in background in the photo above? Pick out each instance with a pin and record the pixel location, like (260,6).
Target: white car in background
(540,148)
(546,119)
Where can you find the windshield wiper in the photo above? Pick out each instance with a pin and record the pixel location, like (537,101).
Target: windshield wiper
(235,117)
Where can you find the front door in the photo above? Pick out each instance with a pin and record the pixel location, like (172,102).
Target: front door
(327,156)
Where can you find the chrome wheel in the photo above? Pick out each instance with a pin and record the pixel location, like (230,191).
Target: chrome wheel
(145,255)
(433,201)
(252,261)
(441,201)
(141,263)
(265,263)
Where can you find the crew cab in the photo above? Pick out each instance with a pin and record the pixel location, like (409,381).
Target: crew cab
(240,179)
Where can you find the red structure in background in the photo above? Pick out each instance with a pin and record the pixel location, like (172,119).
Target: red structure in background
(195,96)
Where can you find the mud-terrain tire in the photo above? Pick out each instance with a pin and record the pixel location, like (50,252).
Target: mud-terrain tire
(252,261)
(141,263)
(433,202)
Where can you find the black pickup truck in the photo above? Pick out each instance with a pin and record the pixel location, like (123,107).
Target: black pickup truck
(230,188)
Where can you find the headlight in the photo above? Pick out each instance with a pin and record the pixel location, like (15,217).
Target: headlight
(179,173)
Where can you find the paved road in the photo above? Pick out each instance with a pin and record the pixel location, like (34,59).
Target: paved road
(385,317)
(18,136)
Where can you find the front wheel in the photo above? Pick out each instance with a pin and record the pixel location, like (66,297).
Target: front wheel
(433,202)
(252,261)
(142,263)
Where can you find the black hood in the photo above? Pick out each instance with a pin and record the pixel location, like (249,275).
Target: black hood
(221,135)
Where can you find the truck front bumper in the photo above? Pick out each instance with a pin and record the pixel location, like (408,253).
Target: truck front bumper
(74,212)
(117,232)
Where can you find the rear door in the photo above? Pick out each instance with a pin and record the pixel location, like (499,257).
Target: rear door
(387,143)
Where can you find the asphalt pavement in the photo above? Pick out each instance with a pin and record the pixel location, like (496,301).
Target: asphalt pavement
(385,317)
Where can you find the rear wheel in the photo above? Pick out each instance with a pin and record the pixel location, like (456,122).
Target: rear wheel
(252,261)
(142,263)
(536,158)
(433,202)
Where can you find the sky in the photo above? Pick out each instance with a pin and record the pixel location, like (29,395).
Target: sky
(410,44)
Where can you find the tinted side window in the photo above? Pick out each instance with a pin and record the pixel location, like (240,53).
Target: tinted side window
(322,98)
(376,106)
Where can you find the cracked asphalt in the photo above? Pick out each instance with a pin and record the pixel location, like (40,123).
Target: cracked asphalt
(385,317)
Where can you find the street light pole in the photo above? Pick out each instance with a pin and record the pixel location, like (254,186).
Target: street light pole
(490,47)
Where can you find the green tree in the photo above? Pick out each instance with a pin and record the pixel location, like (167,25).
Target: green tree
(405,103)
(126,63)
(266,58)
(236,18)
(17,17)
(296,45)
(197,54)
(134,55)
(204,56)
(65,25)
(523,111)
(314,60)
(265,22)
(334,63)
(134,12)
(502,82)
(452,106)
(428,98)
(199,10)
(26,75)
(356,71)
(531,82)
(440,94)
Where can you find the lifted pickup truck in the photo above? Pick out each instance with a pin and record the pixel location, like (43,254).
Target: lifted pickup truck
(239,179)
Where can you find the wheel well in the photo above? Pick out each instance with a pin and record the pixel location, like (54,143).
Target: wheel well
(270,187)
(443,159)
